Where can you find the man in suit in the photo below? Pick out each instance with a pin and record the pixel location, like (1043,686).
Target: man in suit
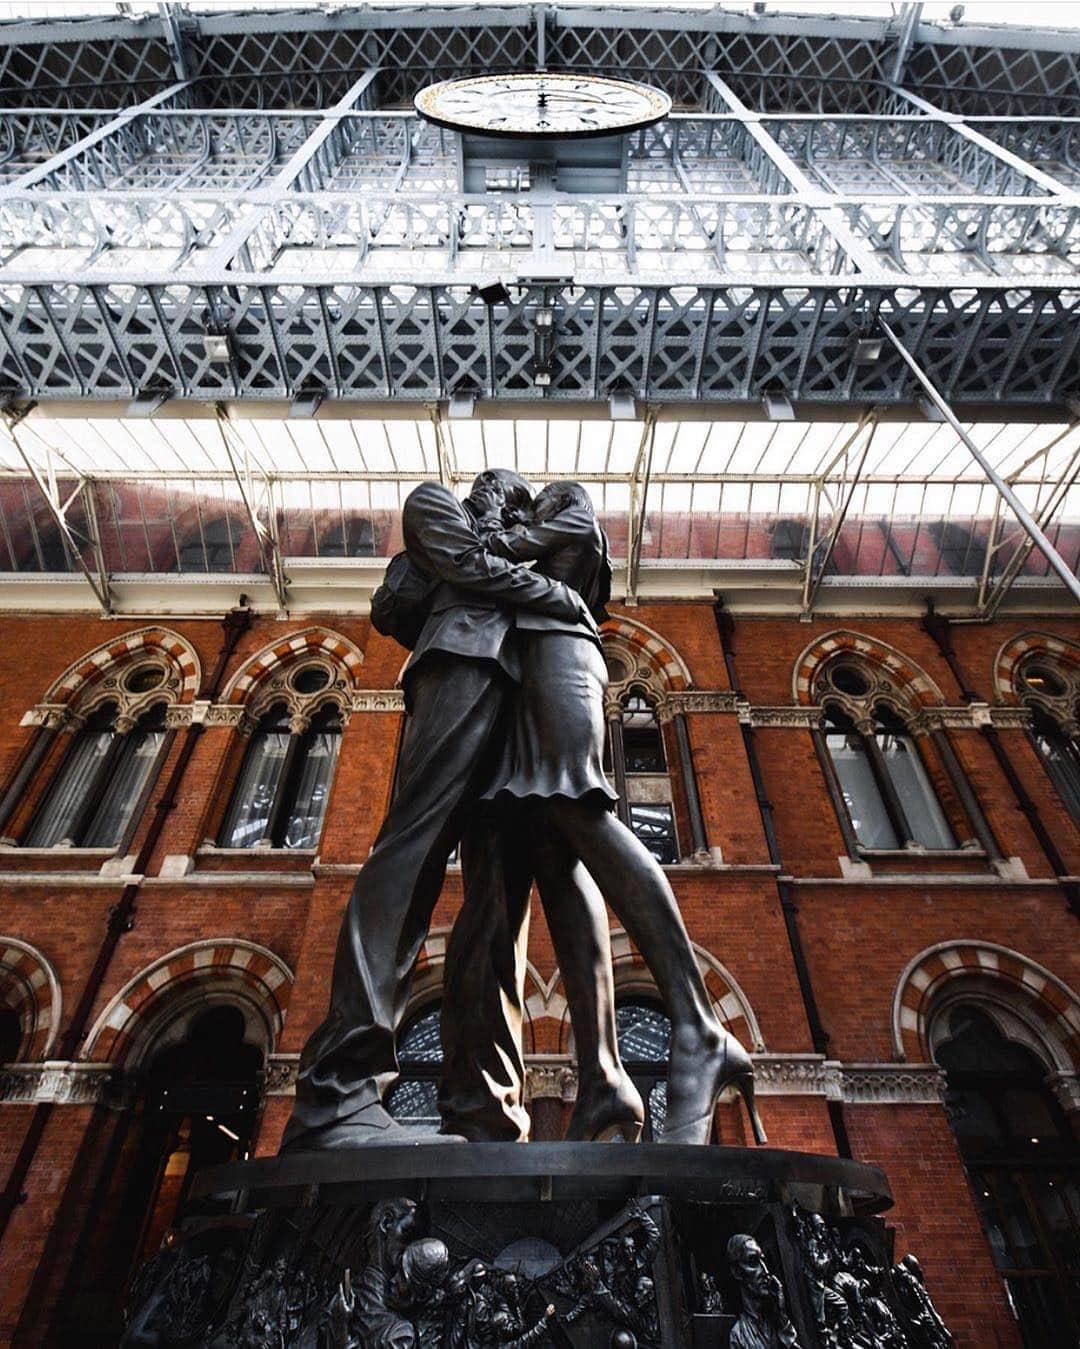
(457,685)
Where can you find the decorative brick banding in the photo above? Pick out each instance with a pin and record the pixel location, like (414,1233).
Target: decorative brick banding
(653,649)
(268,979)
(29,987)
(78,678)
(924,692)
(1016,649)
(287,651)
(928,975)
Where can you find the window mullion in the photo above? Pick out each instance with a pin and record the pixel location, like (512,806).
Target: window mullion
(893,805)
(618,764)
(287,785)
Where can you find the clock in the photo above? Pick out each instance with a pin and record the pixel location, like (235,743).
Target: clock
(542,106)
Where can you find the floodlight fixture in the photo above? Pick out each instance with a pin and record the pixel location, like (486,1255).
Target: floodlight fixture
(306,403)
(462,404)
(216,347)
(622,407)
(148,401)
(865,349)
(778,407)
(543,345)
(493,292)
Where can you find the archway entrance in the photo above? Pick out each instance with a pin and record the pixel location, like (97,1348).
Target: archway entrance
(1024,1168)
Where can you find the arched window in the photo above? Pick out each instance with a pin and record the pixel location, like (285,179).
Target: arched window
(636,759)
(1051,689)
(349,536)
(644,1038)
(1023,1166)
(103,778)
(282,790)
(414,1100)
(886,791)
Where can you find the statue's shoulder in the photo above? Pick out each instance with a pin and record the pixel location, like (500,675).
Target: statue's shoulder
(429,495)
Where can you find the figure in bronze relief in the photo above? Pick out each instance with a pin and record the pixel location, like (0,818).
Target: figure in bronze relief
(763,1322)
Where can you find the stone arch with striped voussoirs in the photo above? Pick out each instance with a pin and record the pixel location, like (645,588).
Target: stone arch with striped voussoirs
(274,659)
(950,968)
(645,654)
(1017,649)
(156,1006)
(29,988)
(920,689)
(86,675)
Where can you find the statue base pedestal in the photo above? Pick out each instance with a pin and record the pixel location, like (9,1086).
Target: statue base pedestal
(471,1246)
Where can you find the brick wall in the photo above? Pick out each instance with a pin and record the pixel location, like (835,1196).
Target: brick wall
(859,933)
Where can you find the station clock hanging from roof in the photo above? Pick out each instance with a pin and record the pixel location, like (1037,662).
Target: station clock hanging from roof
(542,106)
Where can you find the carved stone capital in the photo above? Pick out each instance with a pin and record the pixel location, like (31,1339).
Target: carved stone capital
(893,1083)
(60,1083)
(1066,1088)
(279,1075)
(377,700)
(224,714)
(664,711)
(800,718)
(52,716)
(1011,718)
(178,716)
(550,1081)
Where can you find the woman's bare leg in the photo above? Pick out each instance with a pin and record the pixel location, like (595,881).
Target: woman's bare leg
(578,922)
(704,1057)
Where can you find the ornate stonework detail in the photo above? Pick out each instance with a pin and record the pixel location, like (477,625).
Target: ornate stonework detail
(1011,718)
(893,677)
(800,718)
(550,1081)
(57,1082)
(795,1075)
(279,1076)
(701,700)
(53,716)
(892,1084)
(377,700)
(1066,1087)
(178,717)
(224,714)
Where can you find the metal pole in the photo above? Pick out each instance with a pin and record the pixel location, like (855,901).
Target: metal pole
(1027,520)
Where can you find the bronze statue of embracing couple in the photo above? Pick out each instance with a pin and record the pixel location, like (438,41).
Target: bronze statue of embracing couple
(503,753)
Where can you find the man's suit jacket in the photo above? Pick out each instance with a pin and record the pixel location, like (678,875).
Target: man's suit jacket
(473,608)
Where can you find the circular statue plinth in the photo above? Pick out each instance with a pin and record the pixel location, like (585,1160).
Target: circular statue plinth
(472,1246)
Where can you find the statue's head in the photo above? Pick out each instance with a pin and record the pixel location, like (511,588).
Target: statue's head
(394,1223)
(425,1265)
(500,490)
(747,1263)
(558,496)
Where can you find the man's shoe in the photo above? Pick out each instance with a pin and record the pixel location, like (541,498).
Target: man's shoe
(371,1125)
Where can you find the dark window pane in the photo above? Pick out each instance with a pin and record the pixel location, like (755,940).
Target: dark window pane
(314,777)
(643,1032)
(422,1040)
(67,795)
(1062,758)
(654,825)
(252,804)
(908,773)
(128,780)
(10,1035)
(414,1100)
(353,537)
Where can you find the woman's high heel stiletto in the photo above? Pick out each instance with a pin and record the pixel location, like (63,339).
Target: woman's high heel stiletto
(692,1107)
(610,1114)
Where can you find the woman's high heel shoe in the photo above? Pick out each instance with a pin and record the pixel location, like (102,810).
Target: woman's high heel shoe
(607,1114)
(691,1111)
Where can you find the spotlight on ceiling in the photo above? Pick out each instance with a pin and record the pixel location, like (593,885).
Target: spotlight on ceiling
(866,350)
(216,347)
(778,407)
(493,292)
(931,411)
(543,345)
(622,407)
(462,403)
(147,402)
(306,403)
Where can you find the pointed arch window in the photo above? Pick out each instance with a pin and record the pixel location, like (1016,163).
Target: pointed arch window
(282,790)
(94,797)
(1051,689)
(884,789)
(643,1033)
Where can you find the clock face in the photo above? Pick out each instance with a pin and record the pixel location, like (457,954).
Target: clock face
(542,106)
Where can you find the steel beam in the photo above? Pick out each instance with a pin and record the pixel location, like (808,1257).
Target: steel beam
(1030,525)
(47,479)
(639,493)
(252,478)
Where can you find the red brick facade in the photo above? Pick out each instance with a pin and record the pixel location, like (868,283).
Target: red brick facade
(883,938)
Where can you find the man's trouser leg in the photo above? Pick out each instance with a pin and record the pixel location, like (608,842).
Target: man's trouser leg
(445,761)
(481,1091)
